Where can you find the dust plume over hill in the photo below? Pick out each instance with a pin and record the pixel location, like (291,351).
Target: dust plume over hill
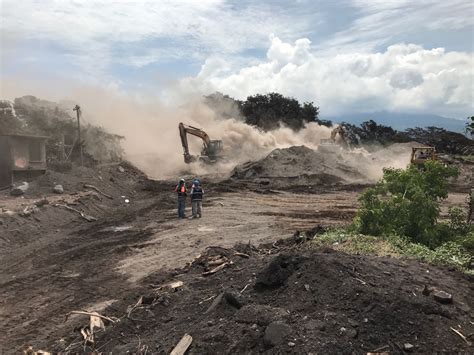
(153,144)
(150,129)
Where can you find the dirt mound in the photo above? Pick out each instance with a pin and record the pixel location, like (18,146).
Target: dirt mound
(299,166)
(299,301)
(304,166)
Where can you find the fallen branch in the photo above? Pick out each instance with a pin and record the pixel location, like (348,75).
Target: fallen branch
(217,262)
(461,335)
(183,345)
(216,269)
(132,308)
(215,303)
(207,299)
(244,288)
(83,215)
(246,256)
(87,186)
(361,281)
(380,349)
(93,314)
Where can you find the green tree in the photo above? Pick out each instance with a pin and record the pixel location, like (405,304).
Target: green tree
(407,203)
(268,111)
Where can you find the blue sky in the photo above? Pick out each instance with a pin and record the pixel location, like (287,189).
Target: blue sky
(346,55)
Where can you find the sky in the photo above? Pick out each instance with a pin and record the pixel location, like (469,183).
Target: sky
(344,55)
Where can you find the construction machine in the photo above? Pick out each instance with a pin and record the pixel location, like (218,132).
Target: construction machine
(211,150)
(330,144)
(420,155)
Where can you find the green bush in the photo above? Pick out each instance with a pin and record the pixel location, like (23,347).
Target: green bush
(407,202)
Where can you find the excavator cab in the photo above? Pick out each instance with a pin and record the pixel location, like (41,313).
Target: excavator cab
(213,149)
(420,155)
(330,145)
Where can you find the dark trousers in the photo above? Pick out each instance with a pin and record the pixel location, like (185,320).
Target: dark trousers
(197,206)
(181,206)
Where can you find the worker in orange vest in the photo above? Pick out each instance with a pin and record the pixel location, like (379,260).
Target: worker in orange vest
(182,193)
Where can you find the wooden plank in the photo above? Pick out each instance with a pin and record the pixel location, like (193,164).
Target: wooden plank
(183,345)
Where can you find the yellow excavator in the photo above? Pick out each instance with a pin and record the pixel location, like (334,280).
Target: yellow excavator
(211,150)
(330,144)
(420,155)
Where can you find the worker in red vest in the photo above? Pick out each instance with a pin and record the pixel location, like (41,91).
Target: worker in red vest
(182,193)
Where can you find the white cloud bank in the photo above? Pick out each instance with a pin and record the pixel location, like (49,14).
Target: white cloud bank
(406,77)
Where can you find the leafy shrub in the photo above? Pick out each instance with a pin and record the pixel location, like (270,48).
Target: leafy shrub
(406,202)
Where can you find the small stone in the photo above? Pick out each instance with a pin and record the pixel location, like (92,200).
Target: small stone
(291,344)
(210,323)
(58,189)
(306,287)
(408,347)
(276,333)
(122,170)
(254,326)
(443,297)
(42,202)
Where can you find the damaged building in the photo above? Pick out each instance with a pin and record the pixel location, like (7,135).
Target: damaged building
(22,158)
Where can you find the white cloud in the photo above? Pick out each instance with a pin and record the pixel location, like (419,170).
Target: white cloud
(91,32)
(379,21)
(405,77)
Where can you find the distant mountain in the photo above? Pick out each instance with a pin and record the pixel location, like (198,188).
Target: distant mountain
(402,121)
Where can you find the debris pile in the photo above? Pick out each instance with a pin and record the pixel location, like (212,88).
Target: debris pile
(304,166)
(284,298)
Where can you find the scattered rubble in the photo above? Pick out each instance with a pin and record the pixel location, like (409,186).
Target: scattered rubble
(19,190)
(280,315)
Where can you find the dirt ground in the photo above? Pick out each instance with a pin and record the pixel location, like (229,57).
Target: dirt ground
(54,262)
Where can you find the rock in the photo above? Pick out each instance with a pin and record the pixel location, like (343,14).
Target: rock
(122,170)
(408,347)
(314,324)
(58,189)
(291,344)
(443,297)
(20,189)
(276,333)
(277,272)
(42,202)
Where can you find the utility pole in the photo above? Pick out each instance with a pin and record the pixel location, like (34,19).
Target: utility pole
(77,108)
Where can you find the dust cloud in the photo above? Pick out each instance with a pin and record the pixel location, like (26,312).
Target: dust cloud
(152,140)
